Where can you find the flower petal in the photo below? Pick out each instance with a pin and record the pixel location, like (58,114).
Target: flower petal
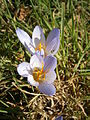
(41,53)
(50,63)
(47,89)
(31,81)
(59,118)
(36,61)
(25,40)
(24,69)
(53,41)
(50,77)
(38,36)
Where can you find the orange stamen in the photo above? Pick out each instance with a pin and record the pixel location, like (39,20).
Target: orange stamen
(40,46)
(38,74)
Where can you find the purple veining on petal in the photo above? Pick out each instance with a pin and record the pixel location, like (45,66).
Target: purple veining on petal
(50,63)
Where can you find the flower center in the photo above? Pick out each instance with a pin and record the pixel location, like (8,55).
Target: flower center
(40,46)
(39,75)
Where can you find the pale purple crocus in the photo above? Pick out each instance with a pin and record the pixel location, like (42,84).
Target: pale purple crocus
(40,72)
(38,44)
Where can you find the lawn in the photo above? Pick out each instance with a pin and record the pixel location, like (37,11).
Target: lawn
(18,99)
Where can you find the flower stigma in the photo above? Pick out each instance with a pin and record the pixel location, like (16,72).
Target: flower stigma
(39,75)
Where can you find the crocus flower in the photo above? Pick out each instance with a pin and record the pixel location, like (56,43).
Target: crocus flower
(38,44)
(40,72)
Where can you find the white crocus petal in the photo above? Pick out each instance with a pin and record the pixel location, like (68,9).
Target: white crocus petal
(31,81)
(25,40)
(41,53)
(38,36)
(53,41)
(24,69)
(36,61)
(50,63)
(47,89)
(50,77)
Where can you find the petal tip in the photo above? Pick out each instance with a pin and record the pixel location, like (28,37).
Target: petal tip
(18,29)
(48,89)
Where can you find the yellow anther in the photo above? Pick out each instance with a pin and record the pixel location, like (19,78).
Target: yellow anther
(42,67)
(40,46)
(39,75)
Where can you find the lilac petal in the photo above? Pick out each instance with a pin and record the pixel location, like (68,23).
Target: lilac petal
(47,89)
(53,34)
(53,41)
(38,36)
(59,118)
(50,77)
(25,40)
(50,63)
(53,46)
(24,69)
(31,81)
(36,61)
